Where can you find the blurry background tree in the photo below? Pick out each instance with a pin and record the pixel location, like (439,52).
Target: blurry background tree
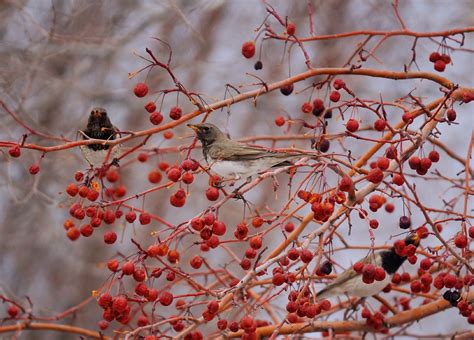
(62,58)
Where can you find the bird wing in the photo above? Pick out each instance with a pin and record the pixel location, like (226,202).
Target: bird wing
(345,276)
(233,151)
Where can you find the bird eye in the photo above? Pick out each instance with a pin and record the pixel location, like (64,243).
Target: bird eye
(205,128)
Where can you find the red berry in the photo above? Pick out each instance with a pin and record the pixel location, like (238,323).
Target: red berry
(196,262)
(222,324)
(34,169)
(306,107)
(391,152)
(248,49)
(142,157)
(174,174)
(289,227)
(73,233)
(12,311)
(139,275)
(290,28)
(128,268)
(375,176)
(72,190)
(280,121)
(86,230)
(434,57)
(156,118)
(426,264)
(380,124)
(14,151)
(257,222)
(439,65)
(374,224)
(241,231)
(339,84)
(213,306)
(187,178)
(150,107)
(173,256)
(119,304)
(105,300)
(471,232)
(144,218)
(460,241)
(407,117)
(140,90)
(110,237)
(212,193)
(176,112)
(346,184)
(113,265)
(434,156)
(425,163)
(398,179)
(154,176)
(352,125)
(383,163)
(334,96)
(306,256)
(256,242)
(358,266)
(446,58)
(414,162)
(451,115)
(130,216)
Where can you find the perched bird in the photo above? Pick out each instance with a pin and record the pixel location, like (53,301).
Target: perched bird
(234,160)
(99,126)
(350,282)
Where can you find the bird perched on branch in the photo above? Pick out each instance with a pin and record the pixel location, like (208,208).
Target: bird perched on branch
(99,126)
(352,283)
(234,160)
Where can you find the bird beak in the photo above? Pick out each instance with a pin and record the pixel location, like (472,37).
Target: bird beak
(194,127)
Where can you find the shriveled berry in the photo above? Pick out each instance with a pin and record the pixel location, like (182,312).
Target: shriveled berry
(287,89)
(451,115)
(404,222)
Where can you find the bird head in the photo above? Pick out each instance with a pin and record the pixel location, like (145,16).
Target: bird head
(413,239)
(99,117)
(207,133)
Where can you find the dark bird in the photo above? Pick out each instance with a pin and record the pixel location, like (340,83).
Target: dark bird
(234,160)
(99,126)
(350,282)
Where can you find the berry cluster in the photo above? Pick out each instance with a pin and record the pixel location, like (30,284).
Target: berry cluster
(440,61)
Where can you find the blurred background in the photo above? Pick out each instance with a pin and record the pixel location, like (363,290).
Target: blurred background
(61,58)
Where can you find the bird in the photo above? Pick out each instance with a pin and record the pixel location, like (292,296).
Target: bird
(234,160)
(350,282)
(99,126)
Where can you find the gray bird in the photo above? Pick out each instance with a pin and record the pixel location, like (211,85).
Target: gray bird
(234,160)
(99,126)
(350,282)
